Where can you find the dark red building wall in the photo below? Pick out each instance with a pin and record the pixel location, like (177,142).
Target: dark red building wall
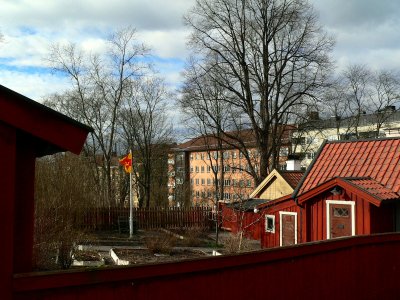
(316,224)
(382,218)
(269,239)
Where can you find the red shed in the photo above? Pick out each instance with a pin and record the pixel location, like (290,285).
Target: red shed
(351,188)
(27,130)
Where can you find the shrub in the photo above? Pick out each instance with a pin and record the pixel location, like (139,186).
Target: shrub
(160,243)
(235,243)
(193,236)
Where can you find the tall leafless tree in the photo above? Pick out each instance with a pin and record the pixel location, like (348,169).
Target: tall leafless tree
(360,92)
(268,56)
(100,85)
(147,131)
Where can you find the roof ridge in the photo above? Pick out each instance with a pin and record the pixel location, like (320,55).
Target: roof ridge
(362,140)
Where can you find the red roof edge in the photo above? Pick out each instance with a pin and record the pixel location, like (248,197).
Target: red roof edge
(343,183)
(297,189)
(55,131)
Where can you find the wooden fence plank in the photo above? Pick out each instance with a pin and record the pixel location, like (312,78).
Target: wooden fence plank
(100,218)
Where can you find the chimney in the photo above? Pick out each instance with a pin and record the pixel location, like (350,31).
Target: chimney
(293,163)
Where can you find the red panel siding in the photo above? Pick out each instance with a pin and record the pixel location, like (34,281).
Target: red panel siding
(8,189)
(382,218)
(371,263)
(269,239)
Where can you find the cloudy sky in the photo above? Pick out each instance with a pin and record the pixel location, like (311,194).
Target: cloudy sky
(366,31)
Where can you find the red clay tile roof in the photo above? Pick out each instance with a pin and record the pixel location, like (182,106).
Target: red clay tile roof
(373,187)
(376,159)
(292,177)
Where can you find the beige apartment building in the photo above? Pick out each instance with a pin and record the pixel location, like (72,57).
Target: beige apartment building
(308,138)
(202,171)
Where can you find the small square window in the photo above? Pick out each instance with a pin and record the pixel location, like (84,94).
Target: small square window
(270,223)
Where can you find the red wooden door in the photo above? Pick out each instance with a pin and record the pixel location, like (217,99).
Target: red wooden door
(340,220)
(288,229)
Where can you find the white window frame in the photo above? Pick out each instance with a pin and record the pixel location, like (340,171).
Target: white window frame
(281,213)
(266,223)
(328,216)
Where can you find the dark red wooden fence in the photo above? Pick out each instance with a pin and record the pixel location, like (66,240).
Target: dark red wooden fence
(146,218)
(362,267)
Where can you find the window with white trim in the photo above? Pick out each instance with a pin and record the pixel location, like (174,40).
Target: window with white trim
(270,223)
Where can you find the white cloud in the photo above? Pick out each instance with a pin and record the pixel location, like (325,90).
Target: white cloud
(35,86)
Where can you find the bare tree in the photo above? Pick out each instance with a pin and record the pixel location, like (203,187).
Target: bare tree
(268,56)
(64,193)
(359,93)
(147,131)
(100,84)
(386,91)
(357,79)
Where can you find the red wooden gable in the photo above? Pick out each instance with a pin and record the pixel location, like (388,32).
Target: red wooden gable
(27,130)
(53,132)
(379,160)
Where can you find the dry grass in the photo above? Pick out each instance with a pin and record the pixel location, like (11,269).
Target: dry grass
(160,243)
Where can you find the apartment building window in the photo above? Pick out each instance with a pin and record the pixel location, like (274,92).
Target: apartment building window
(299,140)
(197,156)
(197,181)
(203,181)
(208,169)
(241,183)
(203,195)
(215,155)
(227,182)
(197,194)
(240,169)
(284,151)
(209,194)
(227,196)
(215,169)
(227,169)
(191,181)
(191,169)
(234,182)
(208,181)
(234,154)
(226,155)
(202,169)
(240,154)
(310,155)
(202,156)
(208,156)
(248,183)
(197,169)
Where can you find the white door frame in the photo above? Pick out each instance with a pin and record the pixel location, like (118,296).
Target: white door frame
(281,213)
(328,216)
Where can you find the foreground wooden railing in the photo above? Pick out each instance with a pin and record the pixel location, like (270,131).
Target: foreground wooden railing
(363,267)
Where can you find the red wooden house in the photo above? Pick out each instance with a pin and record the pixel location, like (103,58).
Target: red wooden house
(242,216)
(27,130)
(351,188)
